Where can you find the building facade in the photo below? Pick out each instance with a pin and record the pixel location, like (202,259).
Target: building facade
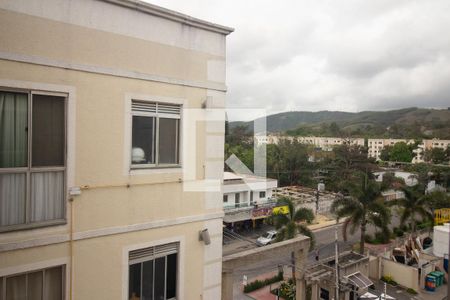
(109,135)
(319,201)
(247,198)
(375,146)
(324,143)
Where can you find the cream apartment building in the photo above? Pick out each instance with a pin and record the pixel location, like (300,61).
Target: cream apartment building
(325,143)
(111,151)
(375,146)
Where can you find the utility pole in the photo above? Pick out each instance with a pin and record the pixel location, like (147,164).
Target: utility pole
(336,259)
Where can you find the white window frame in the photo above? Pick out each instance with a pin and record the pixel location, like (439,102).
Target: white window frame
(153,257)
(157,116)
(30,169)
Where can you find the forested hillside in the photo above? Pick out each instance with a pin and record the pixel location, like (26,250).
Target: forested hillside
(403,123)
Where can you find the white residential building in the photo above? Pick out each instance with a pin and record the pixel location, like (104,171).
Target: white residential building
(375,146)
(324,143)
(409,178)
(247,197)
(427,145)
(436,143)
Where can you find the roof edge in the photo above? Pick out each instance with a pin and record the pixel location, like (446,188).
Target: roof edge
(171,15)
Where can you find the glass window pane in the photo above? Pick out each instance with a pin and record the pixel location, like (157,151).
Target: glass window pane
(13,130)
(48,131)
(16,288)
(168,141)
(134,281)
(147,280)
(34,286)
(171,278)
(142,144)
(47,196)
(12,199)
(53,284)
(160,275)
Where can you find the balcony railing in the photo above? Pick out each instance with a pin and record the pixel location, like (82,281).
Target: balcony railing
(237,206)
(270,202)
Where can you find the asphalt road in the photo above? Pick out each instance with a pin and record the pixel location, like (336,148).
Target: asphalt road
(324,241)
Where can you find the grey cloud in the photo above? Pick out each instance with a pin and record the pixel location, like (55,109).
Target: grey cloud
(337,55)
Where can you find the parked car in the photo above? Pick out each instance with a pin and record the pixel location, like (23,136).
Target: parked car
(266,238)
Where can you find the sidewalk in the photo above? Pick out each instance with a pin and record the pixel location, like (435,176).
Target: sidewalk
(401,293)
(264,292)
(324,222)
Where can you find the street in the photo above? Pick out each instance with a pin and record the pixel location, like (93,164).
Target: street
(324,242)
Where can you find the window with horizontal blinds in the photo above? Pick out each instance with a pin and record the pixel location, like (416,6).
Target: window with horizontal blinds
(156,108)
(155,134)
(149,253)
(153,272)
(144,107)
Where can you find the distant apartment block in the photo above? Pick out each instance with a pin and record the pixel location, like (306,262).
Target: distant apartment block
(99,103)
(375,146)
(324,143)
(427,145)
(247,198)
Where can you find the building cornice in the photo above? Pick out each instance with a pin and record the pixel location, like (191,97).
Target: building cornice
(171,15)
(107,231)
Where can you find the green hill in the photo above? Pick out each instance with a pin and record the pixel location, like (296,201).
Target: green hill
(410,122)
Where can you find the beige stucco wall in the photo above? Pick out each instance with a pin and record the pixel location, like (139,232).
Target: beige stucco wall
(404,275)
(101,267)
(101,72)
(77,44)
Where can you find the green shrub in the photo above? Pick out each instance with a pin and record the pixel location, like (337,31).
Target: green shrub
(285,291)
(381,238)
(257,284)
(423,225)
(367,238)
(389,279)
(411,291)
(399,232)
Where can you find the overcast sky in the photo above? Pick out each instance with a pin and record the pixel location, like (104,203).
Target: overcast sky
(331,55)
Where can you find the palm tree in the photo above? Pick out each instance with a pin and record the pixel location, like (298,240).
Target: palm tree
(414,204)
(363,206)
(288,224)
